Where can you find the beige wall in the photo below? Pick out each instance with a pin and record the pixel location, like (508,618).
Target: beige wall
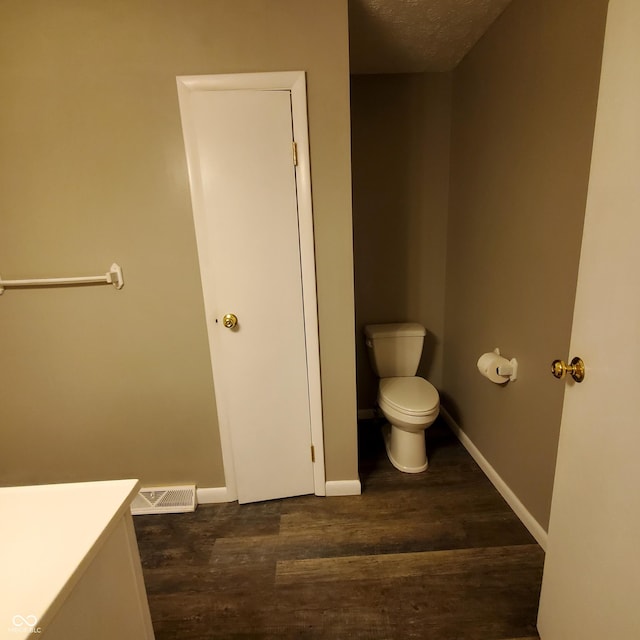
(400,150)
(96,383)
(523,115)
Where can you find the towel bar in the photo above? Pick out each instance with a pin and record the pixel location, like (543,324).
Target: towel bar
(113,276)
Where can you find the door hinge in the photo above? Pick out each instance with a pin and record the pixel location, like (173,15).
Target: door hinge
(295,154)
(313,453)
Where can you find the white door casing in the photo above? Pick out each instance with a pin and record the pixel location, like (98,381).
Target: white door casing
(591,583)
(251,204)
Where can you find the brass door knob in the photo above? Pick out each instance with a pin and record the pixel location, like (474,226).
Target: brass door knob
(230,321)
(576,369)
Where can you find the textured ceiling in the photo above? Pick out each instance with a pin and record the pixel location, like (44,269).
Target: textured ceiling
(411,36)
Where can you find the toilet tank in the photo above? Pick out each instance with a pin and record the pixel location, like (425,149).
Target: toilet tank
(395,349)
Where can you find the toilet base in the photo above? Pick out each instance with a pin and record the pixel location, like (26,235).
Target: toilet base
(405,449)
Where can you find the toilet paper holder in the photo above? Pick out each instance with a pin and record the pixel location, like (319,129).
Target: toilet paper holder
(497,368)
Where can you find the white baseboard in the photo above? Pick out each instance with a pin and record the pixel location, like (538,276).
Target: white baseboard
(343,487)
(213,495)
(366,414)
(534,527)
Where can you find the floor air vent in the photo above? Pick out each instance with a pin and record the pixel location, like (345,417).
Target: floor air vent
(164,500)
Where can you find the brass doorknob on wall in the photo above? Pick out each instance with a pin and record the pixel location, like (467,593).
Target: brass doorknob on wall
(576,369)
(230,321)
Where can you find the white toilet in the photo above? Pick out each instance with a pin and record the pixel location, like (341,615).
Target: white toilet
(408,402)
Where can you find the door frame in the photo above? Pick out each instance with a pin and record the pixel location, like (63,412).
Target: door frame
(295,82)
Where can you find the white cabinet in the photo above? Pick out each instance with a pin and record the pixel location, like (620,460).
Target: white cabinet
(69,563)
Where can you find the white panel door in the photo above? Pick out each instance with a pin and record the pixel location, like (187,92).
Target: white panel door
(591,583)
(249,238)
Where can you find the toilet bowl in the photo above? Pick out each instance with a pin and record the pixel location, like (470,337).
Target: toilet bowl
(410,404)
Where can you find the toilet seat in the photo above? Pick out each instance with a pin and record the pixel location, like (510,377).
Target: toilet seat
(412,396)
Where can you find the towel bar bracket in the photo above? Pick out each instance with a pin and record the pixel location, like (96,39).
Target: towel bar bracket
(114,276)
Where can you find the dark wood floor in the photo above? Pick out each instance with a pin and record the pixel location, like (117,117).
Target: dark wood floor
(436,556)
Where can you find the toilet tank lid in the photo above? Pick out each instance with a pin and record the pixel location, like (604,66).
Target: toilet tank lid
(394,330)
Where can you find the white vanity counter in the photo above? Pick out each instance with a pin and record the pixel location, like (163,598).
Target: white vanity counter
(69,563)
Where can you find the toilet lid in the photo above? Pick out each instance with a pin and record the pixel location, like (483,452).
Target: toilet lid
(414,395)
